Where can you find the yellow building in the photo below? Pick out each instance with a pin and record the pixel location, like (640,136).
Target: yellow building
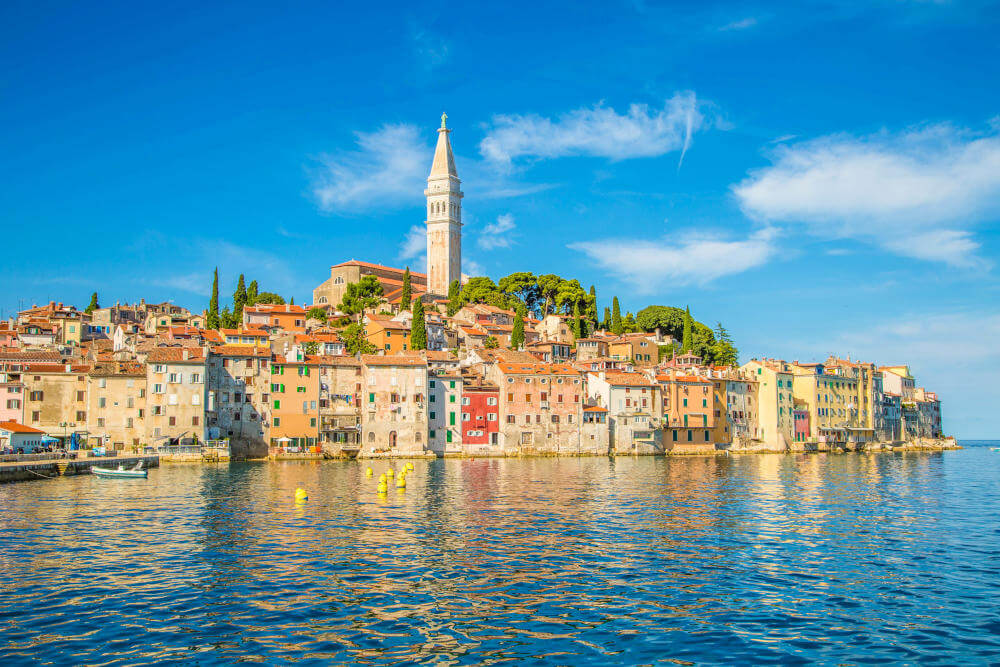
(830,396)
(775,401)
(116,405)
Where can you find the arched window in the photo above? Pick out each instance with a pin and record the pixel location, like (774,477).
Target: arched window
(322,299)
(392,439)
(339,280)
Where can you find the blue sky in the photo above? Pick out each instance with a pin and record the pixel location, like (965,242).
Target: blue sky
(839,190)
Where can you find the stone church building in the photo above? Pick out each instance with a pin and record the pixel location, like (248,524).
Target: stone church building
(444,239)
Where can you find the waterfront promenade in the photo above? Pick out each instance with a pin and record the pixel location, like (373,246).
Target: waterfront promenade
(51,468)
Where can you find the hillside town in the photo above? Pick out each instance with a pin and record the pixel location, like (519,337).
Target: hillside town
(387,362)
(131,377)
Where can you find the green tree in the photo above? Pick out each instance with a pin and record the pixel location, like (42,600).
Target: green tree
(310,347)
(548,289)
(291,301)
(418,332)
(724,352)
(523,286)
(253,291)
(628,324)
(483,290)
(617,328)
(454,297)
(517,333)
(687,340)
(592,308)
(491,343)
(227,320)
(669,320)
(577,322)
(317,313)
(213,321)
(407,296)
(92,306)
(606,322)
(239,299)
(360,296)
(269,298)
(355,339)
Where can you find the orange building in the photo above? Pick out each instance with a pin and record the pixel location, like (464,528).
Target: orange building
(294,405)
(688,409)
(271,316)
(388,335)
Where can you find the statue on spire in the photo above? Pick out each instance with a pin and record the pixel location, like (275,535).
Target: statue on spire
(444,117)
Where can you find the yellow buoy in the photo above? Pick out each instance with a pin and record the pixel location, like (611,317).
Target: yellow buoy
(390,472)
(300,494)
(401,482)
(382,487)
(369,472)
(382,478)
(409,466)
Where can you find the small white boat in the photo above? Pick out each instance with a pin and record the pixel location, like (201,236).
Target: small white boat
(137,472)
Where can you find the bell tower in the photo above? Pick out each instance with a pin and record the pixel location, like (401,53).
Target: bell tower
(444,217)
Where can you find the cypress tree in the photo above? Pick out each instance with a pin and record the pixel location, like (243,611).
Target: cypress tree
(418,333)
(517,333)
(253,291)
(454,298)
(407,295)
(592,307)
(687,341)
(616,318)
(93,304)
(239,299)
(213,320)
(606,322)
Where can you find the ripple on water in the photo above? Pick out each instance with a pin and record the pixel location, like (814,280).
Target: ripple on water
(791,559)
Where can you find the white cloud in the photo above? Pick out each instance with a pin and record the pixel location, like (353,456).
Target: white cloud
(431,49)
(194,283)
(926,341)
(915,193)
(388,167)
(499,234)
(692,258)
(473,268)
(414,246)
(598,132)
(742,24)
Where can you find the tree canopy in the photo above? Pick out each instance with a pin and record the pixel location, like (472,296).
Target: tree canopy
(92,306)
(418,332)
(362,295)
(355,339)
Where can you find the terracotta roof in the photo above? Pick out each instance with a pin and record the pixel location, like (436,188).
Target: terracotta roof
(355,262)
(236,350)
(392,360)
(440,355)
(14,427)
(55,368)
(123,368)
(332,360)
(175,355)
(628,379)
(536,369)
(594,408)
(278,309)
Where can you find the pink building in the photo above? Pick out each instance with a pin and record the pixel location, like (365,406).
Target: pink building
(800,418)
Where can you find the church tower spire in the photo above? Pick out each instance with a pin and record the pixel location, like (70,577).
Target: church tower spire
(444,217)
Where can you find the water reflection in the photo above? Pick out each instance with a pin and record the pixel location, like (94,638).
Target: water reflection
(753,558)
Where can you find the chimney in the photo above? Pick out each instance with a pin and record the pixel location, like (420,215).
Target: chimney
(69,368)
(185,354)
